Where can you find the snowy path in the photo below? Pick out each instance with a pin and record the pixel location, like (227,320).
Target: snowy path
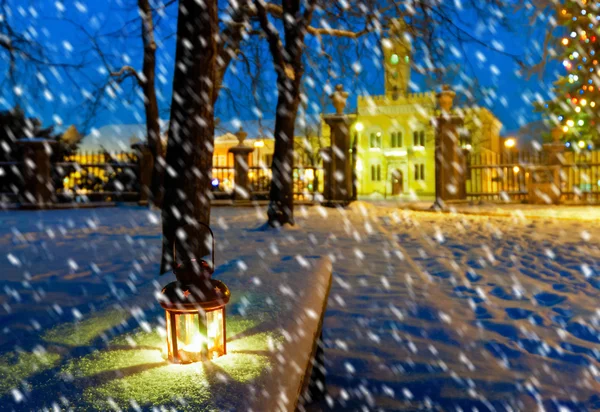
(425,310)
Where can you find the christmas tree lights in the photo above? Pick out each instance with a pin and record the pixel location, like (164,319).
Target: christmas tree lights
(575,109)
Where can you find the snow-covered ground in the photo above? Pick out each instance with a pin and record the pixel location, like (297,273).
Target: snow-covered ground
(426,310)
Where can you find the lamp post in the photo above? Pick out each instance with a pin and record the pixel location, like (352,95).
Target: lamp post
(359,127)
(258,144)
(195,312)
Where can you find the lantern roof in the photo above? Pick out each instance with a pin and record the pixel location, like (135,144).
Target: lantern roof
(208,294)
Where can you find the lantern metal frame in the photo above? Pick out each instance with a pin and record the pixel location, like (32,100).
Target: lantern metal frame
(196,296)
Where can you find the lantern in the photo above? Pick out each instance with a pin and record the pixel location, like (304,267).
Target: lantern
(195,312)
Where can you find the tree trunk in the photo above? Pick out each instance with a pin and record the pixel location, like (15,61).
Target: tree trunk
(281,195)
(191,135)
(150,102)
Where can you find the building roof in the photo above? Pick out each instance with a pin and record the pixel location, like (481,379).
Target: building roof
(120,137)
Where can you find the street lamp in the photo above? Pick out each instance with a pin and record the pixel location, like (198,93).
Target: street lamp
(195,312)
(258,144)
(510,143)
(359,127)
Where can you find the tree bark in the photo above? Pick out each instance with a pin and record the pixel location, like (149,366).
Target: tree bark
(191,135)
(287,58)
(281,194)
(150,103)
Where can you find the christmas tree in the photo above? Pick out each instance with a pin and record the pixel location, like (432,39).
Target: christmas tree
(576,108)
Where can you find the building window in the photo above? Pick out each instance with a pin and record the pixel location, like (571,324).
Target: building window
(375,140)
(376,173)
(420,171)
(396,139)
(419,138)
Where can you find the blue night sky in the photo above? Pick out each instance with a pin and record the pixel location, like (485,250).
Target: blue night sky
(65,95)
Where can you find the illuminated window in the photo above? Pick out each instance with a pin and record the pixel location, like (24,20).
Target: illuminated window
(396,139)
(375,140)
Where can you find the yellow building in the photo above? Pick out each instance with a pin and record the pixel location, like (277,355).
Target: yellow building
(394,134)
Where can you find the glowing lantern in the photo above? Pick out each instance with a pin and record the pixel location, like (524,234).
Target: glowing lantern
(195,311)
(581,144)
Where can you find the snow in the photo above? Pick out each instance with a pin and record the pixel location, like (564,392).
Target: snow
(81,319)
(426,309)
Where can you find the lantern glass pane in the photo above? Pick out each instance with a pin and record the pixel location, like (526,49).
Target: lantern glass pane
(189,337)
(215,333)
(169,336)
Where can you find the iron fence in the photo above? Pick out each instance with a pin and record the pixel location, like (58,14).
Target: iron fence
(97,176)
(11,182)
(504,177)
(103,176)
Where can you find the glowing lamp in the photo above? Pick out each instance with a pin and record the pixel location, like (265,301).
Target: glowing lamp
(195,312)
(510,143)
(259,143)
(581,144)
(516,169)
(359,127)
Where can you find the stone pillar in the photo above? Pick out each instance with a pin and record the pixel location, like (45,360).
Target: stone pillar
(241,153)
(544,182)
(450,170)
(145,166)
(39,189)
(338,162)
(556,148)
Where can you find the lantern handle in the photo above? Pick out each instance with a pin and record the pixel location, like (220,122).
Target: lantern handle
(212,235)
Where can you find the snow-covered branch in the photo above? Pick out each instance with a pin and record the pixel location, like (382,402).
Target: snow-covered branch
(128,71)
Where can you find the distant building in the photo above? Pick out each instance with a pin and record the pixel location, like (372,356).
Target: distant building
(394,134)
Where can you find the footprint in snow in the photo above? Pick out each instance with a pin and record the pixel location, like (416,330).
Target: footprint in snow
(549,299)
